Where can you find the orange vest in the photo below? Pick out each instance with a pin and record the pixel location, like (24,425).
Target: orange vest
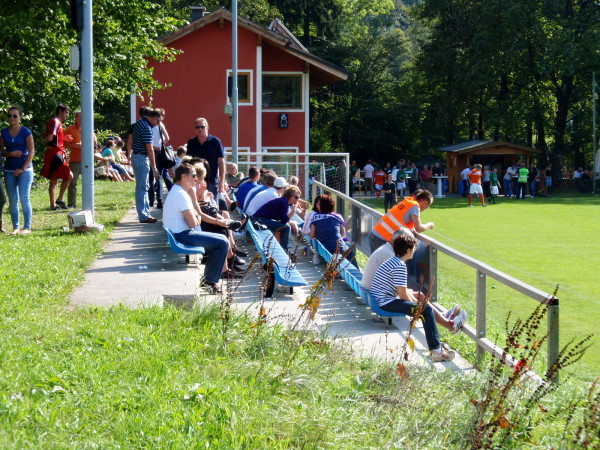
(394,219)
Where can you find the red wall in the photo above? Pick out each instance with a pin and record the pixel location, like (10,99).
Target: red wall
(198,88)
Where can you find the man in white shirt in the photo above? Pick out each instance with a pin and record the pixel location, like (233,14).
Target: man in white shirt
(180,217)
(368,171)
(464,175)
(276,186)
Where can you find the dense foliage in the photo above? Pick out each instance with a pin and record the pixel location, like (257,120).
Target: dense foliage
(425,73)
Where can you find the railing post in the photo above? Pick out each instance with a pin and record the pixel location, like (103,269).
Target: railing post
(481,312)
(433,273)
(553,342)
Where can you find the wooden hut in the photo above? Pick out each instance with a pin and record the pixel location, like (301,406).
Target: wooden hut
(493,154)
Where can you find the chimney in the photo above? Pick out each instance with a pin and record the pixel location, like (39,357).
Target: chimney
(198,12)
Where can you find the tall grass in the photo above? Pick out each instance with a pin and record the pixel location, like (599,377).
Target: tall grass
(163,378)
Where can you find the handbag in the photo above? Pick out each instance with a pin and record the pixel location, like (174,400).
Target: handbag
(166,157)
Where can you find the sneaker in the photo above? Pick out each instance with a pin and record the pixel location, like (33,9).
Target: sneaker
(485,204)
(71,206)
(441,355)
(211,288)
(453,312)
(241,253)
(61,204)
(150,219)
(459,322)
(470,206)
(239,261)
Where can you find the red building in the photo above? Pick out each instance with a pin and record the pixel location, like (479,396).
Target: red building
(275,76)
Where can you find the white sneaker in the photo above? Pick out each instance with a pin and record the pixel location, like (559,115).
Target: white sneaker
(453,312)
(459,322)
(441,355)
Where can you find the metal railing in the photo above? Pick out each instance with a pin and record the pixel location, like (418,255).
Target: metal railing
(361,219)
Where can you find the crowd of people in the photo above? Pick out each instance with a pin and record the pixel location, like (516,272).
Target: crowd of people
(393,181)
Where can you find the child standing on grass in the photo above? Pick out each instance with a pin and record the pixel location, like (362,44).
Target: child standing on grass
(475,186)
(494,185)
(389,193)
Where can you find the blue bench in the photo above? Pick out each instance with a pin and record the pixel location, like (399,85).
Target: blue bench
(353,277)
(284,272)
(182,249)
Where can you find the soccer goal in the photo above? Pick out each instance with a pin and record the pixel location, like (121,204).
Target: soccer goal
(332,169)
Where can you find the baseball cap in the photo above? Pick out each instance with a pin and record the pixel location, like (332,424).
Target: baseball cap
(280,182)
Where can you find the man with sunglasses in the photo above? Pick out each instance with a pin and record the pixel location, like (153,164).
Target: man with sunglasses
(209,147)
(181,218)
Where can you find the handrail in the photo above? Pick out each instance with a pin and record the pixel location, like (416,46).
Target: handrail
(358,229)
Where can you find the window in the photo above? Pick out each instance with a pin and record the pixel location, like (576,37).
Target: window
(244,86)
(282,91)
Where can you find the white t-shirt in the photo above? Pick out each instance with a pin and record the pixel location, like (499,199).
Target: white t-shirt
(176,203)
(260,199)
(368,171)
(307,222)
(465,174)
(377,258)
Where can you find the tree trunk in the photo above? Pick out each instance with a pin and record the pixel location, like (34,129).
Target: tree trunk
(563,101)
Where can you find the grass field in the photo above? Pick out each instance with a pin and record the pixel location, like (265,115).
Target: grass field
(541,241)
(174,378)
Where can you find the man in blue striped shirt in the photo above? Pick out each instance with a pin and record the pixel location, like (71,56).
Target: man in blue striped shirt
(389,288)
(143,161)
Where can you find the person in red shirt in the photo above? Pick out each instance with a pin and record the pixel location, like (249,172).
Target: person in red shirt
(475,186)
(379,177)
(55,159)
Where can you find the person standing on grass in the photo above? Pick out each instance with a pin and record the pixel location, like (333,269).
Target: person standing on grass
(379,177)
(389,192)
(389,289)
(16,144)
(74,147)
(475,185)
(56,166)
(181,218)
(464,175)
(143,162)
(494,185)
(406,214)
(368,172)
(522,175)
(532,180)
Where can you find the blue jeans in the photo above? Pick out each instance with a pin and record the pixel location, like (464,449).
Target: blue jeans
(2,197)
(507,185)
(216,246)
(18,189)
(274,225)
(532,188)
(428,317)
(141,170)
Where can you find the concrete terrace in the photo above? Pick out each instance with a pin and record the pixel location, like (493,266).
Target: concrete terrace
(138,269)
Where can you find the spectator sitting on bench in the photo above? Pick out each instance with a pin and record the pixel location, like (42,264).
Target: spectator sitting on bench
(207,204)
(309,216)
(183,220)
(389,289)
(244,188)
(274,188)
(329,228)
(276,215)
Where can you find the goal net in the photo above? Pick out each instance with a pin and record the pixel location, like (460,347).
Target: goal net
(331,169)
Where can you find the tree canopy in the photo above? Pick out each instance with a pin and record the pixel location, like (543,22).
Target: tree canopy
(425,73)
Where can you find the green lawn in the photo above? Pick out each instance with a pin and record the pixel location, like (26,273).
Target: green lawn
(541,241)
(174,378)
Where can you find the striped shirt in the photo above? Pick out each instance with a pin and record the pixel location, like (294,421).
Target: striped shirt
(390,275)
(142,135)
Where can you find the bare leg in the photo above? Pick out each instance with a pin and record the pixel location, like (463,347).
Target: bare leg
(63,186)
(52,192)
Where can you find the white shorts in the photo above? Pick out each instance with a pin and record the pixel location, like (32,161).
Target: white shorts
(494,190)
(475,189)
(379,187)
(400,184)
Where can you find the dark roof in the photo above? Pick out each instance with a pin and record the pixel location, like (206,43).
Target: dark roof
(278,35)
(471,146)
